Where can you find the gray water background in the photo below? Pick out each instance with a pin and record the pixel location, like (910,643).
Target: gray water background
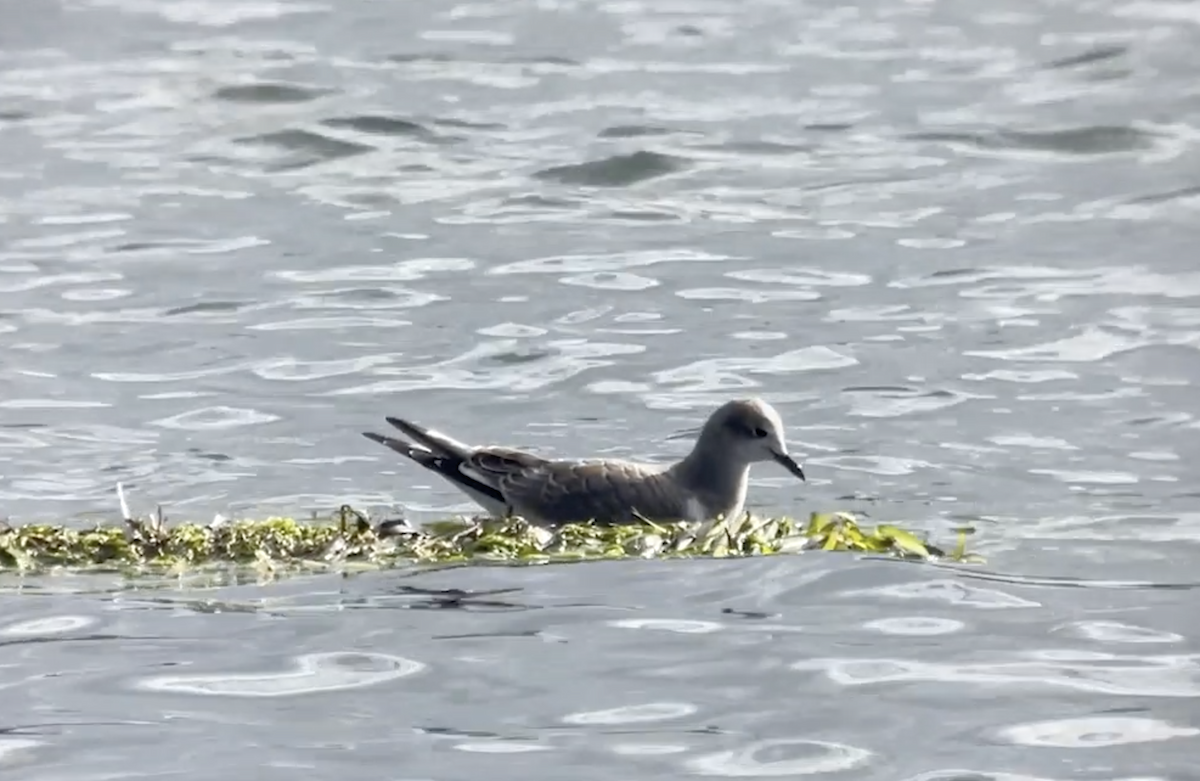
(955,244)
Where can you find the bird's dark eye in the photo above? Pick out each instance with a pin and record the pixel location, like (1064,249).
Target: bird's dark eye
(759,432)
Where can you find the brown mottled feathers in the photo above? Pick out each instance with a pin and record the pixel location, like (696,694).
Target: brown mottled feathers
(609,492)
(505,480)
(708,483)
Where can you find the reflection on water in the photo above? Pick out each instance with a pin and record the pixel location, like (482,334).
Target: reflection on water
(634,714)
(734,669)
(814,757)
(1089,671)
(314,673)
(1094,732)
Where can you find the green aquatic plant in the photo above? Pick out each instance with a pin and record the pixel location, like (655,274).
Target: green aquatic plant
(351,539)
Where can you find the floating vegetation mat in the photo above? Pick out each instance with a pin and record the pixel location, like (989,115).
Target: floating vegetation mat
(351,540)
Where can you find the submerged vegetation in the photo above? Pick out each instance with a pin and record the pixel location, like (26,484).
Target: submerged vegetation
(352,539)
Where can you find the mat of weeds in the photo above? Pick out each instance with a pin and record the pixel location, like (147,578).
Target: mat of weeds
(352,539)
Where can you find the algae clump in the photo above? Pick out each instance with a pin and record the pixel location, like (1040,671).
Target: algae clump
(352,539)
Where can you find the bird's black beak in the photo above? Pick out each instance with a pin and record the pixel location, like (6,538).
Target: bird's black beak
(789,463)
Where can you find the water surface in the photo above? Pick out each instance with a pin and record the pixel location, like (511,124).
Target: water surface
(953,244)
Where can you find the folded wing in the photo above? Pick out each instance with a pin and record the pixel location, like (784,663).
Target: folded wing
(557,492)
(449,458)
(506,481)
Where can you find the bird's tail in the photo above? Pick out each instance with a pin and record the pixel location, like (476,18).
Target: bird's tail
(434,441)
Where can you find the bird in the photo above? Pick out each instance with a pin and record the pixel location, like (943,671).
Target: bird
(707,484)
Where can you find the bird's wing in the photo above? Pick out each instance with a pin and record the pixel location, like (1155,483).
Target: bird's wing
(451,459)
(501,463)
(504,480)
(609,492)
(434,441)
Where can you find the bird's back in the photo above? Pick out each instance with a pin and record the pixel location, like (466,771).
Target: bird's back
(607,492)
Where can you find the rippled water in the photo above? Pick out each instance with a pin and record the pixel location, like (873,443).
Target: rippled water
(725,669)
(952,242)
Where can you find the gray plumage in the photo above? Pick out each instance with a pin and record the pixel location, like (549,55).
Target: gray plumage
(708,483)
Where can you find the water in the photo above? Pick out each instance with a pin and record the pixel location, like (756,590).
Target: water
(952,243)
(760,668)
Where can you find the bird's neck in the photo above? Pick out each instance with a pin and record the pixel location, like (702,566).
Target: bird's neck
(713,477)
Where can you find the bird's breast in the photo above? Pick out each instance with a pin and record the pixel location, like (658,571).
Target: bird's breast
(696,511)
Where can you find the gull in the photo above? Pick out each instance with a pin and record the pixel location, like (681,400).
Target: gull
(707,484)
